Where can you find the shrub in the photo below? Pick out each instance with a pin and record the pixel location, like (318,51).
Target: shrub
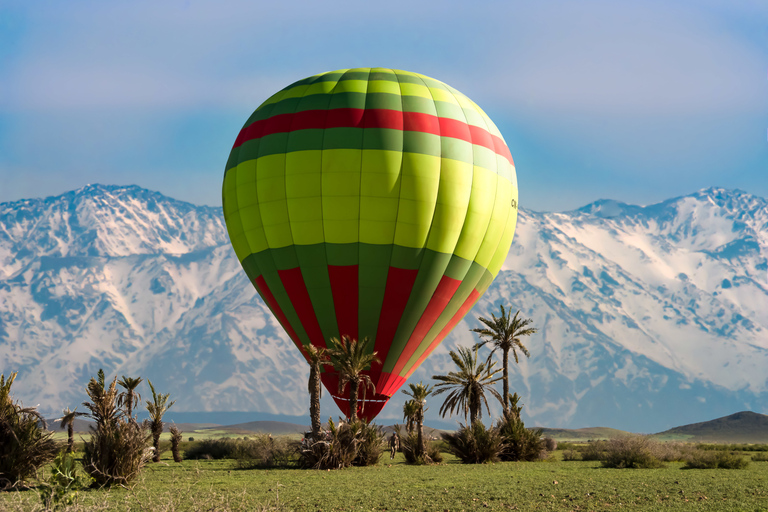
(343,445)
(520,443)
(62,487)
(408,445)
(701,459)
(25,444)
(224,448)
(116,451)
(550,444)
(594,450)
(266,452)
(760,457)
(475,444)
(571,455)
(670,452)
(175,441)
(631,452)
(370,445)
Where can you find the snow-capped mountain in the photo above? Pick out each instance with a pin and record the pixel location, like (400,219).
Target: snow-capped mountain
(648,317)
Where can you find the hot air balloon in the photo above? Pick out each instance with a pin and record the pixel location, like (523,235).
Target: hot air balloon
(370,203)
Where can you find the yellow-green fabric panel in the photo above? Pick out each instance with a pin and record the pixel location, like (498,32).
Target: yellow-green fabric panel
(384,86)
(303,191)
(341,195)
(325,87)
(250,218)
(420,181)
(245,184)
(506,170)
(497,224)
(479,212)
(379,195)
(422,91)
(229,194)
(506,240)
(270,188)
(451,206)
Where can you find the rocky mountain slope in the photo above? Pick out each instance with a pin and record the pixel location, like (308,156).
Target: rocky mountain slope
(648,317)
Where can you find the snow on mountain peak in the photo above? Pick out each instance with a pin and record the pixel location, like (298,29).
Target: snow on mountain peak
(104,220)
(649,314)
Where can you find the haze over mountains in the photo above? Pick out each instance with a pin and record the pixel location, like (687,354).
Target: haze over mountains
(649,317)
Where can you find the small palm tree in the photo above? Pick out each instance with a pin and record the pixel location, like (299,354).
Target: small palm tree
(156,408)
(350,358)
(419,393)
(409,415)
(317,356)
(129,398)
(467,386)
(68,422)
(505,333)
(103,405)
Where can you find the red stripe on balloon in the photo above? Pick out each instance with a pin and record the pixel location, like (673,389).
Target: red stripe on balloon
(374,118)
(461,313)
(266,294)
(345,298)
(391,383)
(396,293)
(299,297)
(440,299)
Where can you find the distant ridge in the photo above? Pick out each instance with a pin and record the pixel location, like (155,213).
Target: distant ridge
(265,427)
(742,427)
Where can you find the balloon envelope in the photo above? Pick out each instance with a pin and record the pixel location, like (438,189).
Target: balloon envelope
(371,203)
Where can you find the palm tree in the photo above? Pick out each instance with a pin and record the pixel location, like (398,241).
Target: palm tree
(317,356)
(419,393)
(68,422)
(505,334)
(409,415)
(103,404)
(350,358)
(468,385)
(129,398)
(156,408)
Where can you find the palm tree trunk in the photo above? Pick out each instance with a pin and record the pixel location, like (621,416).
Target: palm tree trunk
(353,385)
(314,400)
(70,438)
(474,406)
(157,430)
(420,423)
(505,380)
(130,404)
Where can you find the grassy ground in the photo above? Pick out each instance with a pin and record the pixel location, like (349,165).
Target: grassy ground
(551,485)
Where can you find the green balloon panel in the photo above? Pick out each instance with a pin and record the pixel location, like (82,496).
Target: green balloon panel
(371,203)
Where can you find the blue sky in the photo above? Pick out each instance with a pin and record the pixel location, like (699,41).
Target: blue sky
(635,101)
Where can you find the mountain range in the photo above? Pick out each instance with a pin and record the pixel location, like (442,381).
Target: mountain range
(648,316)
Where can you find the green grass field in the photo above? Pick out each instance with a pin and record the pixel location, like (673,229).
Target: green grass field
(550,485)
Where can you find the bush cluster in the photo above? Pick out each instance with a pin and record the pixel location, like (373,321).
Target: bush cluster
(250,452)
(631,452)
(520,443)
(509,440)
(343,445)
(475,444)
(703,459)
(409,444)
(25,444)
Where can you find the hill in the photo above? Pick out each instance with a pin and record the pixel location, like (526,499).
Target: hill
(742,427)
(278,428)
(583,434)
